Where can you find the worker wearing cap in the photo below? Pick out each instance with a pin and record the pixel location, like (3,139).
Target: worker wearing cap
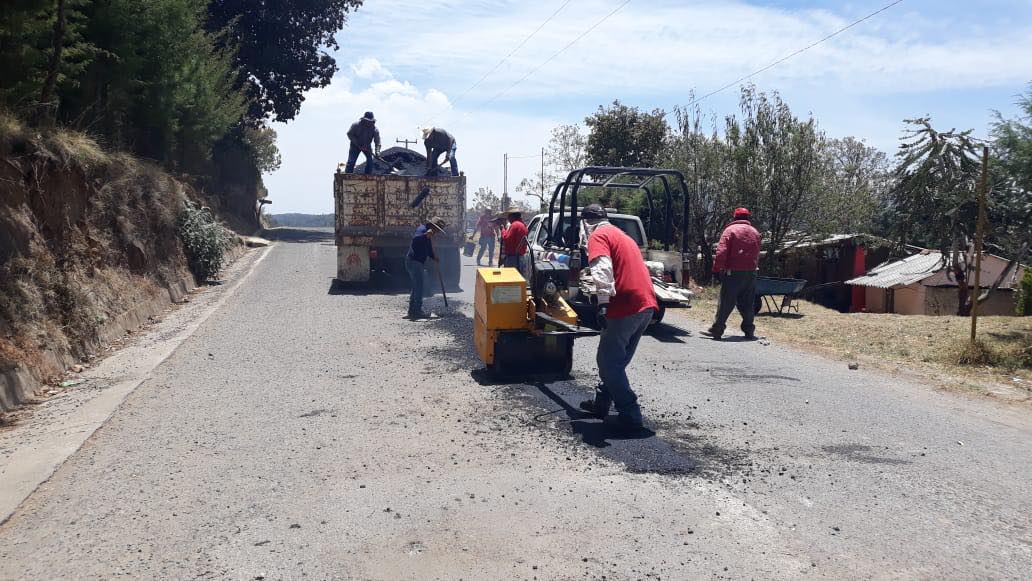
(738,254)
(514,240)
(415,263)
(626,304)
(486,227)
(362,135)
(438,141)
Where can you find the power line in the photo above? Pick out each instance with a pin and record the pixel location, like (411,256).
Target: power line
(798,52)
(503,59)
(555,54)
(512,52)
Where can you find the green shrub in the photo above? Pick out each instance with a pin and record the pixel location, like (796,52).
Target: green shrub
(204,240)
(1024,306)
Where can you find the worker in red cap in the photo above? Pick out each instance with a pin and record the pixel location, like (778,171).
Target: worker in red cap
(738,254)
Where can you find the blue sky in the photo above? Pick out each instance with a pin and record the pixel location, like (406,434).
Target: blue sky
(413,63)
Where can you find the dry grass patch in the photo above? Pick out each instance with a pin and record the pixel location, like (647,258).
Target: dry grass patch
(936,346)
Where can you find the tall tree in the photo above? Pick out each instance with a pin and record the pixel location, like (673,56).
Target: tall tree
(1010,208)
(625,136)
(934,198)
(563,154)
(776,165)
(484,199)
(855,184)
(703,158)
(280,48)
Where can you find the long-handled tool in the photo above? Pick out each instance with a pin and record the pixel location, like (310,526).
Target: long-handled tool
(440,278)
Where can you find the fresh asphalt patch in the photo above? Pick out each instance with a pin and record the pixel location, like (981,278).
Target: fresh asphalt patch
(553,405)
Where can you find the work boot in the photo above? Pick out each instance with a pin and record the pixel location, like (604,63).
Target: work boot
(588,406)
(418,316)
(711,334)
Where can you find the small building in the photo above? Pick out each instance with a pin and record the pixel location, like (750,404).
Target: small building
(826,263)
(922,285)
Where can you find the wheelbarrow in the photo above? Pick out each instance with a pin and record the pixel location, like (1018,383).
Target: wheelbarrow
(768,289)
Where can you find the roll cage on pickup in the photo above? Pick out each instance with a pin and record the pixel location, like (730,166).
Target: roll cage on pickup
(650,181)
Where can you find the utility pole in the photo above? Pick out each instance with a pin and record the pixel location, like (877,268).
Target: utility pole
(505,182)
(542,177)
(406,142)
(979,235)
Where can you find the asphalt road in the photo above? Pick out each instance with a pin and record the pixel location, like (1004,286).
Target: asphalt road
(308,431)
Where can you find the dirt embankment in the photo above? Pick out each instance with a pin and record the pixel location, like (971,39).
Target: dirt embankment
(88,249)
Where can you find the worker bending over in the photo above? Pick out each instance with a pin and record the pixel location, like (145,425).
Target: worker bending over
(362,135)
(738,254)
(420,249)
(626,304)
(514,240)
(438,141)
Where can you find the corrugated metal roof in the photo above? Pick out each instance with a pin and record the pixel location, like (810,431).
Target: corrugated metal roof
(902,272)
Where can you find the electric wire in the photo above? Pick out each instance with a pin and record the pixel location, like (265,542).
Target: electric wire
(796,53)
(512,52)
(555,54)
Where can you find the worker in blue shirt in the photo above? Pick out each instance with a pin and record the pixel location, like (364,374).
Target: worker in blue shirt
(415,261)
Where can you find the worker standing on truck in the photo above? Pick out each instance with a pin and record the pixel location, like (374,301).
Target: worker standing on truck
(486,227)
(626,304)
(420,249)
(362,135)
(738,254)
(438,141)
(514,240)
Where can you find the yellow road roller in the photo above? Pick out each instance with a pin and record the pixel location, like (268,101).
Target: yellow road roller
(522,332)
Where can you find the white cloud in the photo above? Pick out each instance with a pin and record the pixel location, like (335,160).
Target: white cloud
(370,68)
(667,47)
(314,143)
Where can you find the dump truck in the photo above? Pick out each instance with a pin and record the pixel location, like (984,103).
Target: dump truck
(376,216)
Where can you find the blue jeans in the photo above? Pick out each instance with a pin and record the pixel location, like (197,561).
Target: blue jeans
(451,160)
(486,243)
(353,157)
(415,272)
(616,348)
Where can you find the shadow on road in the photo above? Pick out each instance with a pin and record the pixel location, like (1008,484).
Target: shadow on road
(667,333)
(298,235)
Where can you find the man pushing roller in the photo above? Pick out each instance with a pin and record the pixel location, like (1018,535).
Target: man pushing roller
(626,303)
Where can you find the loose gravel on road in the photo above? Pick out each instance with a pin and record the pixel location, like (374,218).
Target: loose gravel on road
(305,431)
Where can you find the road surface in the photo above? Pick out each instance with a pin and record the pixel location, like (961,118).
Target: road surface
(305,431)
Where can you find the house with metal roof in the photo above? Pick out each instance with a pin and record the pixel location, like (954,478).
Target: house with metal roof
(921,284)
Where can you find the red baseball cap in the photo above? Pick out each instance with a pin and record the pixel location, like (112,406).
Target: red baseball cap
(742,213)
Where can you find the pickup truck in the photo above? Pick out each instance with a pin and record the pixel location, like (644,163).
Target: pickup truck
(663,265)
(375,221)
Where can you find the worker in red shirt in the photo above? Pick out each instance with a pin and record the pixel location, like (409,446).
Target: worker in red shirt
(486,226)
(738,254)
(626,304)
(514,240)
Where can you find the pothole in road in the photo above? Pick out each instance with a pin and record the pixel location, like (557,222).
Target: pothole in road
(861,453)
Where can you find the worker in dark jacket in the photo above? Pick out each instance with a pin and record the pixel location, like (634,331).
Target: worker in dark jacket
(626,304)
(438,141)
(362,135)
(420,249)
(738,254)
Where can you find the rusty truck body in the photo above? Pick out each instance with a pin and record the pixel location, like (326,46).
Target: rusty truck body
(375,222)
